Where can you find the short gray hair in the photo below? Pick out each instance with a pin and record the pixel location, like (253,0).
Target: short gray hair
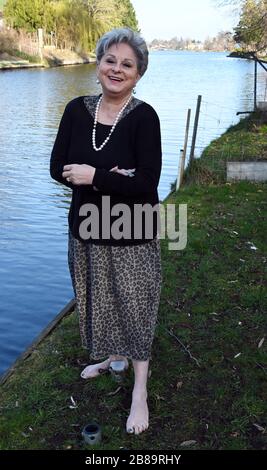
(127,36)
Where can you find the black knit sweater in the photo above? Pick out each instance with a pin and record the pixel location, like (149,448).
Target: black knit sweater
(135,143)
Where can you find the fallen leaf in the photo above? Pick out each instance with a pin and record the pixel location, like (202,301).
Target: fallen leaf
(261,342)
(260,428)
(179,385)
(234,434)
(111,394)
(252,246)
(74,404)
(158,397)
(73,401)
(188,443)
(237,355)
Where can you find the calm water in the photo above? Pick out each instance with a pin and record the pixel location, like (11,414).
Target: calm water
(34,278)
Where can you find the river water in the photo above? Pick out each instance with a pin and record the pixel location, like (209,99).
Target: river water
(34,279)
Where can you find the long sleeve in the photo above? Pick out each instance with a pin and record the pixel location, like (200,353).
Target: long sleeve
(59,155)
(148,157)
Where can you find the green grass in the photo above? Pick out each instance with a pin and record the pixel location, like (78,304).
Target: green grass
(22,59)
(213,302)
(34,59)
(208,373)
(246,141)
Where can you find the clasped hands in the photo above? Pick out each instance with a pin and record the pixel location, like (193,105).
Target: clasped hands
(84,174)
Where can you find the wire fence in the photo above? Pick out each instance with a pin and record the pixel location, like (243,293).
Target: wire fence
(30,43)
(214,119)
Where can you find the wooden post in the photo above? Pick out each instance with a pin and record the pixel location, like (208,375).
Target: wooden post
(187,132)
(195,128)
(40,42)
(183,152)
(180,169)
(255,83)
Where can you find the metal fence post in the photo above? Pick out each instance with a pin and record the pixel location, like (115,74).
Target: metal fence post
(195,128)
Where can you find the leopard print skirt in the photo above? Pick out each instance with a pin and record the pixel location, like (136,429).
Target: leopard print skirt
(117,291)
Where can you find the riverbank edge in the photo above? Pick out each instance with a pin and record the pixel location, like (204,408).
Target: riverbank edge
(245,55)
(244,141)
(49,61)
(181,377)
(67,310)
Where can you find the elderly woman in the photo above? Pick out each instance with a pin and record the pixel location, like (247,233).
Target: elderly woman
(108,151)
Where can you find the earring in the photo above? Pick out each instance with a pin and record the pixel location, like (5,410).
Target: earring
(97,81)
(134,91)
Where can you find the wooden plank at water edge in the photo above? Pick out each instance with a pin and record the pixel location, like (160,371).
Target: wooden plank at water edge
(252,171)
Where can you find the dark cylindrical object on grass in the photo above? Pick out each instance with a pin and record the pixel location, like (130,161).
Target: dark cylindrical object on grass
(92,434)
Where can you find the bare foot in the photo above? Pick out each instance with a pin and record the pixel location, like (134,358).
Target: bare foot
(95,369)
(137,421)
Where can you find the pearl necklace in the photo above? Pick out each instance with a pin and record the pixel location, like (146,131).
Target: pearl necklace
(113,126)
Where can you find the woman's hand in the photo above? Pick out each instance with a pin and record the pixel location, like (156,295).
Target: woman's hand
(84,174)
(78,174)
(122,171)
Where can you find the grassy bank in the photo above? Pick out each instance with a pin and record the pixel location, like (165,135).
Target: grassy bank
(246,141)
(14,59)
(208,373)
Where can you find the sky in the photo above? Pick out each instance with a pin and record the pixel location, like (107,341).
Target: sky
(197,19)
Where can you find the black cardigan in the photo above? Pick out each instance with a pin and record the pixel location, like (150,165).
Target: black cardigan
(135,143)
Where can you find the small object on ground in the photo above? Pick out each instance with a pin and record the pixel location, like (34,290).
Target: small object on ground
(118,369)
(92,434)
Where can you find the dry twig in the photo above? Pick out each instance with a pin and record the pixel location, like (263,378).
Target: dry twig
(184,347)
